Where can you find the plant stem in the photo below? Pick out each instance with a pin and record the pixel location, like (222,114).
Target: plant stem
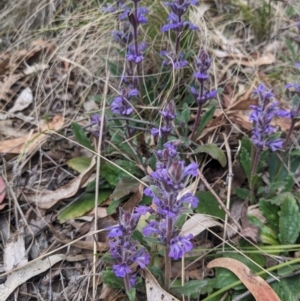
(127,283)
(289,133)
(167,269)
(136,46)
(169,226)
(253,173)
(197,121)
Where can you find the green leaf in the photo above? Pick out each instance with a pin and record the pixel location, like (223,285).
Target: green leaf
(112,208)
(242,193)
(213,151)
(113,174)
(112,280)
(81,206)
(80,164)
(267,235)
(287,289)
(245,160)
(119,141)
(209,205)
(270,212)
(287,270)
(81,136)
(194,288)
(131,294)
(289,221)
(206,117)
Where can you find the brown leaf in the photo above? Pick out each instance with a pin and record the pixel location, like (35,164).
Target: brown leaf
(32,141)
(2,190)
(135,198)
(198,223)
(48,198)
(155,291)
(124,187)
(248,229)
(259,288)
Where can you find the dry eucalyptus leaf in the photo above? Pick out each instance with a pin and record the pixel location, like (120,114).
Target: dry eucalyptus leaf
(198,223)
(20,276)
(125,187)
(48,198)
(14,252)
(259,288)
(31,141)
(23,101)
(2,190)
(154,291)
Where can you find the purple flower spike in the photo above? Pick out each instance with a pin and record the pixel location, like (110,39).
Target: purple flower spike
(121,104)
(123,249)
(297,65)
(132,56)
(175,23)
(261,116)
(167,181)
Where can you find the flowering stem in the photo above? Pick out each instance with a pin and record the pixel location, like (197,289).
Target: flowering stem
(169,228)
(289,133)
(197,120)
(253,173)
(136,46)
(167,268)
(127,283)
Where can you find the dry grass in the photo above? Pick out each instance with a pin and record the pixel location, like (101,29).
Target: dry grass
(78,49)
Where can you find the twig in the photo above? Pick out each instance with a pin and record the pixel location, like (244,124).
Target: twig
(229,184)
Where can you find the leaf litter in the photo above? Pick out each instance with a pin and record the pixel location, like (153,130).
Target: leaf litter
(58,83)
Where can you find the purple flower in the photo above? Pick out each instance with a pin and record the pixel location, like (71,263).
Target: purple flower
(96,123)
(123,37)
(123,249)
(200,76)
(203,61)
(121,104)
(201,95)
(261,116)
(264,95)
(188,198)
(121,269)
(297,65)
(180,245)
(132,56)
(275,144)
(115,232)
(179,7)
(295,86)
(175,23)
(177,61)
(142,258)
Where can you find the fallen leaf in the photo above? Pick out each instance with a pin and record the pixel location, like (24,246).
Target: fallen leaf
(259,288)
(48,198)
(14,251)
(154,291)
(198,223)
(134,199)
(23,101)
(20,276)
(2,190)
(82,205)
(31,141)
(124,187)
